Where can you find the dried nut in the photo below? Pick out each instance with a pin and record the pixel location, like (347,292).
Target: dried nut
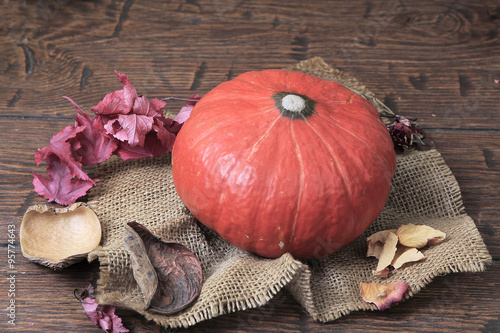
(419,236)
(383,294)
(59,237)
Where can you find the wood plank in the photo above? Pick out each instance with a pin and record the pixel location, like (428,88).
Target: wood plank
(164,64)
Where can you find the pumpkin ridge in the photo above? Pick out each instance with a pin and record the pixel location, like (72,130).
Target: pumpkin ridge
(332,121)
(340,171)
(261,139)
(301,184)
(217,127)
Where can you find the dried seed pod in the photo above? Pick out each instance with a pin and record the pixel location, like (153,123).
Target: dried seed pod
(59,237)
(178,271)
(143,270)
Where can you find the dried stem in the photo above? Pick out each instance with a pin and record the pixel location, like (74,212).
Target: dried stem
(172,98)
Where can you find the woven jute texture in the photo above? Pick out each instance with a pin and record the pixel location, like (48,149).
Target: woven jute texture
(423,191)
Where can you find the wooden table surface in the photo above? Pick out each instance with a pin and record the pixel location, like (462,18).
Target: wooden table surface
(438,61)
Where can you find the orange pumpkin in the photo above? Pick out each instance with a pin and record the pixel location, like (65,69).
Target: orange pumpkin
(277,161)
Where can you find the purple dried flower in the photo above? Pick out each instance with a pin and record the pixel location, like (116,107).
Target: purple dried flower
(405,134)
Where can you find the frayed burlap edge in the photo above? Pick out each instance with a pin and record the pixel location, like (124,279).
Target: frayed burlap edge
(197,313)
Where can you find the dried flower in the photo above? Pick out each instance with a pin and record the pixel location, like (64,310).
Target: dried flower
(405,134)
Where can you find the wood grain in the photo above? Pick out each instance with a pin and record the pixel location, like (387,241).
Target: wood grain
(434,60)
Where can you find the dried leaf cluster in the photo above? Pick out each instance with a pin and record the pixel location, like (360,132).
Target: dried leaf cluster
(400,246)
(395,248)
(125,123)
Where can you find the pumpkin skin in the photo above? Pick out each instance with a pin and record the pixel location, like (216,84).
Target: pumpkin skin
(272,180)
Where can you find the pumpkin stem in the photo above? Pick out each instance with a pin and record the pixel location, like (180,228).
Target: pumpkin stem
(293,105)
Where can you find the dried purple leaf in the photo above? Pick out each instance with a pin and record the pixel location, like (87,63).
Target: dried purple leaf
(103,316)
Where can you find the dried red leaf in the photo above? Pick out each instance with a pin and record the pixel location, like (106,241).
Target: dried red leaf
(152,147)
(61,147)
(119,101)
(125,124)
(90,145)
(104,316)
(131,128)
(148,107)
(163,128)
(126,116)
(59,186)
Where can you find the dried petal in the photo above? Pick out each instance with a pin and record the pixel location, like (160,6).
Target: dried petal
(177,268)
(419,236)
(376,243)
(383,294)
(405,255)
(382,273)
(387,255)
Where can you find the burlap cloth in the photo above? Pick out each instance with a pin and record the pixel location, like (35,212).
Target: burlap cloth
(424,191)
